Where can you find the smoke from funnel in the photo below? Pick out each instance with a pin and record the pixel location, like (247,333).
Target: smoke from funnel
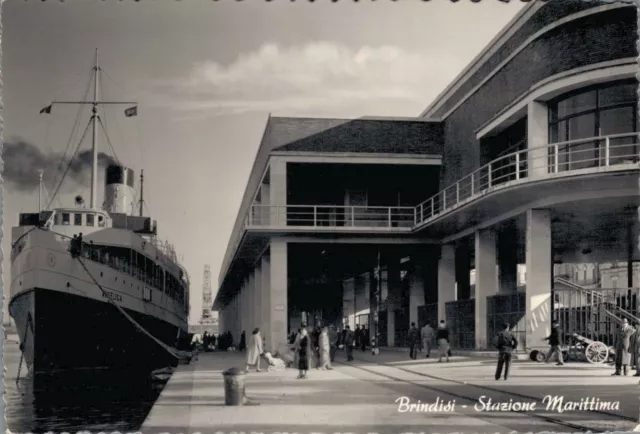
(23,160)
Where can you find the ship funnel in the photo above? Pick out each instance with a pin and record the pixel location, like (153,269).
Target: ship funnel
(119,195)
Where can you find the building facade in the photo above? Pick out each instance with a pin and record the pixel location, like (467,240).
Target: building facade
(511,198)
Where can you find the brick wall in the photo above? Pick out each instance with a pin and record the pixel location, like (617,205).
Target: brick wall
(550,12)
(598,38)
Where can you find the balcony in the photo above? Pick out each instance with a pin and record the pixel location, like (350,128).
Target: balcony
(578,159)
(589,156)
(332,217)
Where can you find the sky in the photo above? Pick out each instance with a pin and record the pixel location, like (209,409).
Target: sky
(206,75)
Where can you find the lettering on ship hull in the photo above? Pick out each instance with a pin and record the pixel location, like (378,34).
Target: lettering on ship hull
(112,296)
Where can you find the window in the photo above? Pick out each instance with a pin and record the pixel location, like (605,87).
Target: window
(77,219)
(90,219)
(66,219)
(101,221)
(595,112)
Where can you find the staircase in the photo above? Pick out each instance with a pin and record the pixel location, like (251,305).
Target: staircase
(590,312)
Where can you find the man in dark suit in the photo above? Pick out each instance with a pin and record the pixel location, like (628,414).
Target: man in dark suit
(554,342)
(349,342)
(505,343)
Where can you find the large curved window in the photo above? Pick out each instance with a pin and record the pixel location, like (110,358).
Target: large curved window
(595,112)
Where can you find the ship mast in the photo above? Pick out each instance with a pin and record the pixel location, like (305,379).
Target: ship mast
(95,119)
(141,190)
(94,142)
(40,173)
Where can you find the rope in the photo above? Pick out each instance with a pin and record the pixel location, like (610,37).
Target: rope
(180,355)
(74,130)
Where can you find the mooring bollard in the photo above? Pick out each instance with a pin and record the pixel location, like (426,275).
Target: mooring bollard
(234,386)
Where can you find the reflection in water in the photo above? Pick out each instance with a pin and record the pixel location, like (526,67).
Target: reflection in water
(92,400)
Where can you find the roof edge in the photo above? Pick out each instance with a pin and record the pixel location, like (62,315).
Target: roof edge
(514,24)
(240,214)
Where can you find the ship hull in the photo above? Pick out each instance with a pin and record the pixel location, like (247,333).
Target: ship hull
(60,331)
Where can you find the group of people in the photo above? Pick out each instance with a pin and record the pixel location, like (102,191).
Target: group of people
(426,339)
(626,345)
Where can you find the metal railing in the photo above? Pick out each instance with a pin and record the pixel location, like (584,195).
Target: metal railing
(331,216)
(548,161)
(595,313)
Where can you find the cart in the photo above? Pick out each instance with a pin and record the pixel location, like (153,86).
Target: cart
(580,349)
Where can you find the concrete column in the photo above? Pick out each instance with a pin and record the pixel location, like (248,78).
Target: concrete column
(263,212)
(266,298)
(257,295)
(486,281)
(278,191)
(393,284)
(539,275)
(508,260)
(537,135)
(416,294)
(463,270)
(221,324)
(251,302)
(446,279)
(348,301)
(278,293)
(361,298)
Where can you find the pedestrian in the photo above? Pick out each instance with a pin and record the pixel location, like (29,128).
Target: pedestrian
(623,346)
(255,350)
(243,341)
(334,341)
(296,345)
(413,338)
(505,343)
(426,334)
(554,342)
(632,348)
(365,338)
(324,347)
(303,354)
(358,336)
(442,335)
(349,343)
(636,339)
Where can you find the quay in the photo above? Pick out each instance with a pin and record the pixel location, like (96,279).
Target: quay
(350,399)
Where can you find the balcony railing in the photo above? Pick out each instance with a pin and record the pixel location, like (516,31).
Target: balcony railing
(331,216)
(549,161)
(589,155)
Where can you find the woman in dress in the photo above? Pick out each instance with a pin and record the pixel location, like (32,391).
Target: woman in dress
(324,347)
(255,350)
(303,354)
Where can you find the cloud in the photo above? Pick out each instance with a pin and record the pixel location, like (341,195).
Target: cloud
(312,78)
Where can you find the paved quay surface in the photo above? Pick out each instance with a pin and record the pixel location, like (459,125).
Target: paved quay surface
(356,400)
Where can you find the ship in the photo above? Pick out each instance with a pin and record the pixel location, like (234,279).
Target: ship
(94,287)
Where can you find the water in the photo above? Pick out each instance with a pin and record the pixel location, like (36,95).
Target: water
(79,401)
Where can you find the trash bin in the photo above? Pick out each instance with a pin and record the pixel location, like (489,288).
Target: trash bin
(234,386)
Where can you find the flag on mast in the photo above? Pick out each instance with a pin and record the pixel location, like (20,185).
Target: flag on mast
(47,109)
(131,111)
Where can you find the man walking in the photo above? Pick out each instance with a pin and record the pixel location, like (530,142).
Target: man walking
(349,342)
(442,335)
(413,338)
(554,342)
(505,343)
(364,340)
(334,341)
(427,334)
